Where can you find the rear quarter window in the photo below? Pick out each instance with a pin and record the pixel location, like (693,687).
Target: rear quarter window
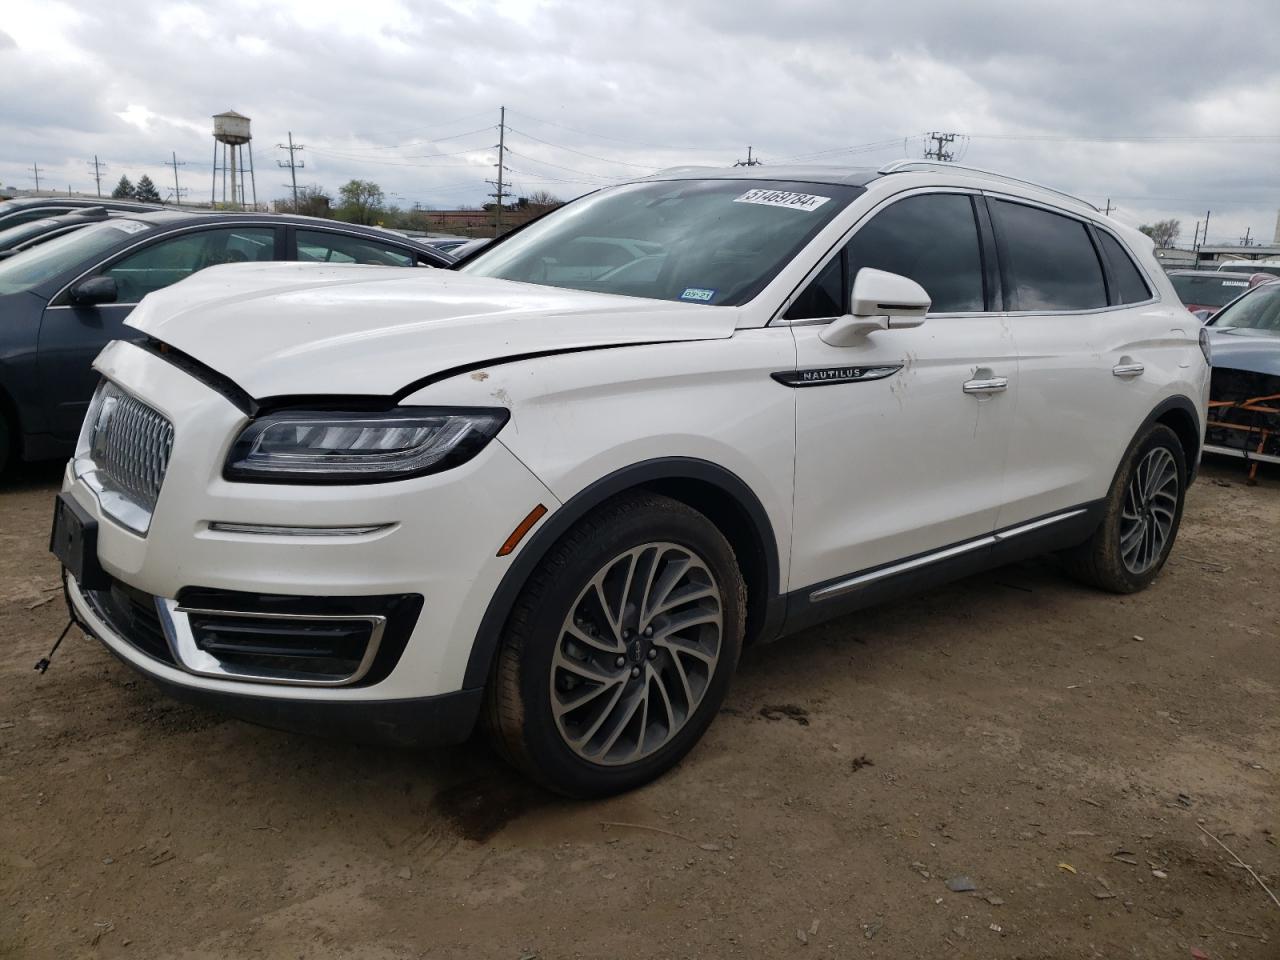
(1127,279)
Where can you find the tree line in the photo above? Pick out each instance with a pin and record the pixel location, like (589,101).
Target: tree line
(364,202)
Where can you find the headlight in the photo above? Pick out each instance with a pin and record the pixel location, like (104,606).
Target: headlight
(317,446)
(1206,347)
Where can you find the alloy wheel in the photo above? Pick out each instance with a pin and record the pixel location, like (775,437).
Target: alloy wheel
(1150,506)
(636,653)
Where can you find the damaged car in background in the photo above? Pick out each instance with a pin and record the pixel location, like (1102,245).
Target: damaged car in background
(1244,398)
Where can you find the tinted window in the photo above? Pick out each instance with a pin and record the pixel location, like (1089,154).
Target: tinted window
(1129,285)
(696,241)
(1052,258)
(933,239)
(824,297)
(338,248)
(1207,289)
(76,251)
(168,261)
(1259,311)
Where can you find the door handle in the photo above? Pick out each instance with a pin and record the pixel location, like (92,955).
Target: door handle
(1127,368)
(986,385)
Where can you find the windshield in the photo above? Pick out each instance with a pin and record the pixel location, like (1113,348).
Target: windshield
(15,235)
(1259,311)
(1209,290)
(32,267)
(694,241)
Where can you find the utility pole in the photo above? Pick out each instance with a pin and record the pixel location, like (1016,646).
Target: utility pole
(502,149)
(1245,241)
(1195,237)
(293,165)
(1107,212)
(940,144)
(177,190)
(36,170)
(97,173)
(750,161)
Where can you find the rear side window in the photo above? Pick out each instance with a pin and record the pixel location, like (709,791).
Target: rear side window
(338,248)
(931,238)
(1052,259)
(1127,279)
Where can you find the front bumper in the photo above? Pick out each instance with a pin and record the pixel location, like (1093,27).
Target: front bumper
(410,722)
(435,537)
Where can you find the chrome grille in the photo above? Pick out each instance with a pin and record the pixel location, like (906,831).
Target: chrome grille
(127,444)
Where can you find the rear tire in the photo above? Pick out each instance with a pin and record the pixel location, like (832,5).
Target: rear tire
(619,651)
(7,445)
(1143,512)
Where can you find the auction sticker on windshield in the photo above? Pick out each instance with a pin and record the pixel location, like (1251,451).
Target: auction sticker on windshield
(781,198)
(128,226)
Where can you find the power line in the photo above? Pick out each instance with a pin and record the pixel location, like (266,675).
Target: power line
(589,156)
(1056,138)
(600,178)
(603,136)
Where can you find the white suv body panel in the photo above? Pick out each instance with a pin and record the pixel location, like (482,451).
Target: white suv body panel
(851,477)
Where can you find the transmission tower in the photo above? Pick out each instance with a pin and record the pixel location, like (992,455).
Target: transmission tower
(941,143)
(750,161)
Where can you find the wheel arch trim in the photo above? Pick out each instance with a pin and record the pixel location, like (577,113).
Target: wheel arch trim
(637,475)
(1178,405)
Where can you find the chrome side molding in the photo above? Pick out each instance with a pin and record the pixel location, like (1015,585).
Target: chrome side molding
(839,589)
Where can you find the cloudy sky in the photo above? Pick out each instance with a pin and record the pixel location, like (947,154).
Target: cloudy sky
(1169,109)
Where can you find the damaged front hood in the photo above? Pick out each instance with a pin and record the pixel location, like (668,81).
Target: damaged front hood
(1239,348)
(299,328)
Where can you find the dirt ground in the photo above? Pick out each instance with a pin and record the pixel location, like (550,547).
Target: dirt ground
(1058,747)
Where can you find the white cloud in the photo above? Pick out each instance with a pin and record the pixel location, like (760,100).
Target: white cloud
(407,93)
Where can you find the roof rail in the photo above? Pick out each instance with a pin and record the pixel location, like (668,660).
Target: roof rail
(899,166)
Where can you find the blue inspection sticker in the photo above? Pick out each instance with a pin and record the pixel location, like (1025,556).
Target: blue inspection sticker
(698,294)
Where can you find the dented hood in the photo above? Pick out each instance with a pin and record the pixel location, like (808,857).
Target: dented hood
(302,328)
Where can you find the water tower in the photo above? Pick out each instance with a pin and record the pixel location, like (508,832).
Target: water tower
(231,130)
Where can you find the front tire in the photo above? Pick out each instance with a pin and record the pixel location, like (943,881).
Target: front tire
(1143,511)
(619,651)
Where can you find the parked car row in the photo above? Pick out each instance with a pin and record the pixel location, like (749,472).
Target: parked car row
(560,487)
(1205,292)
(62,301)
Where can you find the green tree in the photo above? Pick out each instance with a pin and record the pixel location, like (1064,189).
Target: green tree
(123,190)
(146,190)
(312,202)
(361,201)
(1164,233)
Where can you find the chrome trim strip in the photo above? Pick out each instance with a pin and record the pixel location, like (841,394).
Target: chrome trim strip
(1242,454)
(847,586)
(1010,532)
(177,628)
(283,530)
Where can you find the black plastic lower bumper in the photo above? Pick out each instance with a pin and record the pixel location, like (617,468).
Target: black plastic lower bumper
(416,722)
(419,722)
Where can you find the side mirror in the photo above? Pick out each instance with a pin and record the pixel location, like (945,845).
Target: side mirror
(95,290)
(880,301)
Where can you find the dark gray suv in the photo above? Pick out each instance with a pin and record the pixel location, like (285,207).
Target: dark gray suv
(63,301)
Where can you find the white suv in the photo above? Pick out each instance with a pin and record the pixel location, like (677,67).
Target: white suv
(560,489)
